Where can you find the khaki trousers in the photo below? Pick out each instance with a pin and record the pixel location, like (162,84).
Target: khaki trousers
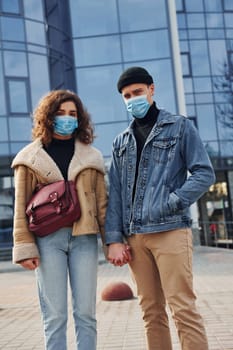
(162,269)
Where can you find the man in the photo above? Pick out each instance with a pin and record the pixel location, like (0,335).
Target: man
(148,211)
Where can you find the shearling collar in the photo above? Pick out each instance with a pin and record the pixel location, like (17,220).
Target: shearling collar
(37,159)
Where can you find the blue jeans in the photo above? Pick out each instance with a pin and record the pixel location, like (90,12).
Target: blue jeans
(77,256)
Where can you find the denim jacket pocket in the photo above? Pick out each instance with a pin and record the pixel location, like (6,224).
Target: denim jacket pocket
(163,149)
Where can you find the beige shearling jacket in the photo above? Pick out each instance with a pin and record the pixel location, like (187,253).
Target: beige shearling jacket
(33,165)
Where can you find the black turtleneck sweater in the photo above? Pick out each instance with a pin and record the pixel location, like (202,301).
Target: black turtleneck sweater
(141,129)
(61,151)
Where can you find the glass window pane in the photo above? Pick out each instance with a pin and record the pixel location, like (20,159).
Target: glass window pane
(8,29)
(213,5)
(228,5)
(228,20)
(15,63)
(20,128)
(4,149)
(33,9)
(136,45)
(197,33)
(196,20)
(188,85)
(202,84)
(216,33)
(214,20)
(93,17)
(200,65)
(35,32)
(206,117)
(11,6)
(18,96)
(217,56)
(100,50)
(179,5)
(194,6)
(181,19)
(142,14)
(3,128)
(2,90)
(185,61)
(39,85)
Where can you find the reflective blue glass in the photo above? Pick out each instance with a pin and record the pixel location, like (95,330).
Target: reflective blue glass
(202,84)
(185,64)
(204,98)
(97,50)
(20,128)
(214,20)
(15,63)
(2,90)
(18,96)
(213,5)
(11,6)
(196,20)
(33,9)
(228,20)
(141,15)
(228,5)
(4,149)
(93,17)
(35,32)
(218,56)
(194,6)
(3,128)
(138,46)
(197,33)
(39,84)
(179,5)
(216,33)
(9,32)
(199,50)
(206,122)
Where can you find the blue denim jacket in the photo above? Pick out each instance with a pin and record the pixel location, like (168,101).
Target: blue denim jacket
(164,191)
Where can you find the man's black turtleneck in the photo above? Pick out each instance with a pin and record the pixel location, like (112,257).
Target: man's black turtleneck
(142,128)
(61,151)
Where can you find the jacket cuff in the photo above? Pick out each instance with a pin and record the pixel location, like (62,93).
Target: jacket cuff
(113,237)
(24,251)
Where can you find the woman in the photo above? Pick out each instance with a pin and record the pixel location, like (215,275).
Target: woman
(61,149)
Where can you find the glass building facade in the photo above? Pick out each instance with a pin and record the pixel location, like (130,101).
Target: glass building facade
(187,45)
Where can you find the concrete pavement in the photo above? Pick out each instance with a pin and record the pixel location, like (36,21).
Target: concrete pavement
(119,322)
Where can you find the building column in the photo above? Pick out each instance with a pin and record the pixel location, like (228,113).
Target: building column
(179,91)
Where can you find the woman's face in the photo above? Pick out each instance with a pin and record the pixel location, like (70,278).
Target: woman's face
(67,108)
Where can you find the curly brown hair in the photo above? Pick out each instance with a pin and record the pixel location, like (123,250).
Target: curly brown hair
(46,110)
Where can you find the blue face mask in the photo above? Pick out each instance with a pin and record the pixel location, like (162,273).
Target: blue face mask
(65,125)
(138,106)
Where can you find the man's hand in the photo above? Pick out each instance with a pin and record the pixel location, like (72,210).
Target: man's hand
(119,254)
(30,264)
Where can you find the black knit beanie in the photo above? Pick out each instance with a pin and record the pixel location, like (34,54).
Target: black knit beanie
(134,75)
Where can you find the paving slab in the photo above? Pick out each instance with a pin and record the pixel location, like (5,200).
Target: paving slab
(120,325)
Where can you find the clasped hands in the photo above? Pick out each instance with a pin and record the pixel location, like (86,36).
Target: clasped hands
(119,254)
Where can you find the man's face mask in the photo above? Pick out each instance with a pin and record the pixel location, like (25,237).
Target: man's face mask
(138,106)
(65,125)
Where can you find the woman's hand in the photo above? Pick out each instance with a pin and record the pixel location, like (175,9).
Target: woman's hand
(30,264)
(119,254)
